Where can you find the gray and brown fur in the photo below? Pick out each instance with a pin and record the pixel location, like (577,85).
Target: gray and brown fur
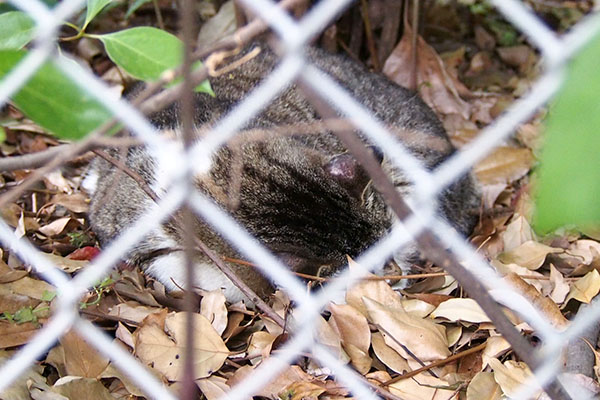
(301,195)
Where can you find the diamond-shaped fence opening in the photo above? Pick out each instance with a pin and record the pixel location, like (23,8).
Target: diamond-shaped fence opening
(294,67)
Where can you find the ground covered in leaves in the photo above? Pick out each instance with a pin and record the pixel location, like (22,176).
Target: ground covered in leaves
(428,342)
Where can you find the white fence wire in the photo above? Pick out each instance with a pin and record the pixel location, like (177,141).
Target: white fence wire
(555,52)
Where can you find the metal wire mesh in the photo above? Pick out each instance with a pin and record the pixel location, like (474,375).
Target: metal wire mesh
(555,51)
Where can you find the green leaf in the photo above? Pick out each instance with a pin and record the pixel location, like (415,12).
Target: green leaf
(16,30)
(53,101)
(48,296)
(93,8)
(144,52)
(133,7)
(25,314)
(569,175)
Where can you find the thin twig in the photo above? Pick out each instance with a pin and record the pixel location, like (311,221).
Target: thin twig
(369,34)
(437,363)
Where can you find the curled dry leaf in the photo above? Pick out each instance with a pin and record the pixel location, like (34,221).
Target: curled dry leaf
(543,304)
(387,355)
(76,202)
(56,227)
(530,254)
(495,346)
(483,386)
(351,325)
(454,333)
(166,353)
(460,310)
(260,345)
(213,387)
(353,329)
(517,232)
(512,376)
(420,308)
(123,334)
(560,287)
(376,290)
(423,337)
(329,338)
(542,285)
(438,88)
(214,309)
(132,311)
(587,250)
(423,387)
(586,288)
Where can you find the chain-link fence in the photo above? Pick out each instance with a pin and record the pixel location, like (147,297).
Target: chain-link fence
(293,67)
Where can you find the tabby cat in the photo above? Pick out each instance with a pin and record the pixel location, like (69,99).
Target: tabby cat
(301,195)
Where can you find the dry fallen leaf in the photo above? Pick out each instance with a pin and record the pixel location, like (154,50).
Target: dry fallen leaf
(132,311)
(214,309)
(456,310)
(376,290)
(301,390)
(483,386)
(81,359)
(495,346)
(213,387)
(275,386)
(76,202)
(354,331)
(586,288)
(423,337)
(66,264)
(504,165)
(260,345)
(55,227)
(517,232)
(73,387)
(328,337)
(438,88)
(543,304)
(423,387)
(513,376)
(166,353)
(530,254)
(12,335)
(387,355)
(560,287)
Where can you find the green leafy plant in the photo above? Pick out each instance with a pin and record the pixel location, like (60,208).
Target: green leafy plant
(57,104)
(568,187)
(100,289)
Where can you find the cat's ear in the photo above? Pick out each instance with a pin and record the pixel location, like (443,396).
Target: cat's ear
(346,170)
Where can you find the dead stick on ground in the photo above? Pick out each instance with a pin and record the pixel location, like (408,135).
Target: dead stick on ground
(436,364)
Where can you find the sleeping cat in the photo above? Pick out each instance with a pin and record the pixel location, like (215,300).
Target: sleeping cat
(301,195)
